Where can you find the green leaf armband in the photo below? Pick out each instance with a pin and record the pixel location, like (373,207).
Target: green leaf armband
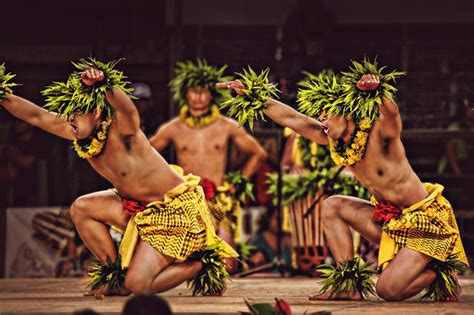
(112,275)
(5,83)
(68,97)
(249,107)
(364,104)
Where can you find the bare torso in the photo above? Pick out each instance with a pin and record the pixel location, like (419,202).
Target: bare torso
(202,151)
(386,172)
(134,167)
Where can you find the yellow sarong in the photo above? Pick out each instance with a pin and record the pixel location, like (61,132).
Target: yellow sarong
(428,227)
(177,226)
(225,211)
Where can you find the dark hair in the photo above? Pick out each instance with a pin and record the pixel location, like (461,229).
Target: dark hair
(146,304)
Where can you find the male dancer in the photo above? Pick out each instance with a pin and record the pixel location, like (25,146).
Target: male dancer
(415,227)
(164,213)
(201,136)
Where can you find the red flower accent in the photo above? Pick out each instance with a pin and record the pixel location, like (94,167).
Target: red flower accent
(132,207)
(384,212)
(282,307)
(209,188)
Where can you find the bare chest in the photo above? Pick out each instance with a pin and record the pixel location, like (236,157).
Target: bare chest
(210,140)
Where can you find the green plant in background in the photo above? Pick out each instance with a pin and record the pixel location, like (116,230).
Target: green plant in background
(198,74)
(296,187)
(5,82)
(312,160)
(364,104)
(350,276)
(243,186)
(72,96)
(250,107)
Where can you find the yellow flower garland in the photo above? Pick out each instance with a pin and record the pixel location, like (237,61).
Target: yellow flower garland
(200,121)
(354,151)
(97,143)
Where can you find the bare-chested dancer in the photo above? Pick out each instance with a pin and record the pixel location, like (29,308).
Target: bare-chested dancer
(150,197)
(418,227)
(201,136)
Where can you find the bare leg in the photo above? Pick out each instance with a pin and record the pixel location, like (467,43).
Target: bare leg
(339,213)
(152,272)
(228,236)
(405,276)
(91,214)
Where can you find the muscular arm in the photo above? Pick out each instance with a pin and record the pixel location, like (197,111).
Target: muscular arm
(391,123)
(162,138)
(248,144)
(128,119)
(38,117)
(288,117)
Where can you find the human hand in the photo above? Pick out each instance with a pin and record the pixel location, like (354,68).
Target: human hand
(235,85)
(91,76)
(368,82)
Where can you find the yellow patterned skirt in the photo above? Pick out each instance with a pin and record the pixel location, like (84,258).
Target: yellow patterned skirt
(225,210)
(428,227)
(178,226)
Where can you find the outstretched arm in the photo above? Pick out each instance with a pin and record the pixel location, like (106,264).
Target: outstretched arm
(39,117)
(248,144)
(286,116)
(391,123)
(128,119)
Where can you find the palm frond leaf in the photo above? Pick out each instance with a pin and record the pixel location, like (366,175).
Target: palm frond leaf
(189,74)
(248,108)
(6,84)
(361,104)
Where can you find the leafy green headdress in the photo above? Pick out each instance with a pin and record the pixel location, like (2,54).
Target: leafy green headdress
(320,92)
(199,74)
(5,84)
(65,98)
(363,104)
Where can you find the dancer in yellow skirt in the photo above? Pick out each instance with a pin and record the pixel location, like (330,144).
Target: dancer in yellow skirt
(201,137)
(420,243)
(169,236)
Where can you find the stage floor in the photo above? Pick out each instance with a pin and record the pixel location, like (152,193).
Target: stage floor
(65,295)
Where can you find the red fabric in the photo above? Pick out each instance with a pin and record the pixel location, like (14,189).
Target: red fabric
(384,212)
(209,188)
(132,207)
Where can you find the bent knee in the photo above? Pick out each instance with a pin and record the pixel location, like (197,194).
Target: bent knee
(80,208)
(389,293)
(331,207)
(137,285)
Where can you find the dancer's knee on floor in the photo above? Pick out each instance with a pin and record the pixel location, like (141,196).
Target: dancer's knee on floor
(389,292)
(137,284)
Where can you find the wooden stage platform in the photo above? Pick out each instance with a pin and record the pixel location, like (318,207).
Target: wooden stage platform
(30,296)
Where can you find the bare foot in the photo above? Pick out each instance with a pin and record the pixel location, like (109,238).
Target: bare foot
(103,291)
(330,295)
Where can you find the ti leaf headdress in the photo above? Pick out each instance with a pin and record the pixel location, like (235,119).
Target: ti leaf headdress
(364,104)
(250,106)
(65,98)
(5,83)
(199,74)
(321,92)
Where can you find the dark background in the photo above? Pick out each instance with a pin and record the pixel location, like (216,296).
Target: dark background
(432,40)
